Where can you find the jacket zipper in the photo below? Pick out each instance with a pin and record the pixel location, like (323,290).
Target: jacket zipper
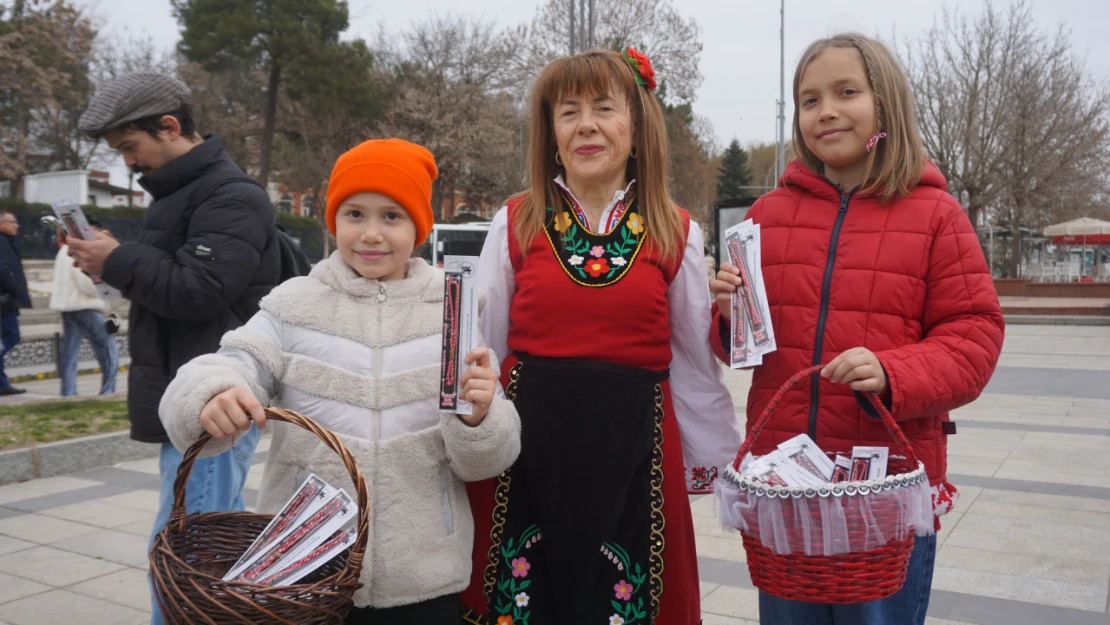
(376,415)
(814,388)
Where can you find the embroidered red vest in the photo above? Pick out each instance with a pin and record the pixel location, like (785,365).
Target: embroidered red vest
(590,296)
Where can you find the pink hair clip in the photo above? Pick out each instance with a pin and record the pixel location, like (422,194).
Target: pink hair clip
(875,141)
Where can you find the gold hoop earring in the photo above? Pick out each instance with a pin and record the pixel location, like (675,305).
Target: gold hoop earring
(558,161)
(633,153)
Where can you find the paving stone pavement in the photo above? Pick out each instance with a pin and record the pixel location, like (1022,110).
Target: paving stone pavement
(1028,544)
(38,390)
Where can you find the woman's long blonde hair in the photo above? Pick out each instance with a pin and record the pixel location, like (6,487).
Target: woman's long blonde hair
(599,72)
(895,166)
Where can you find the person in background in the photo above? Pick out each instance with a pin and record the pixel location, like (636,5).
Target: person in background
(207,253)
(75,296)
(13,294)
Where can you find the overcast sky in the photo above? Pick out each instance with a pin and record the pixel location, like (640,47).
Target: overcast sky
(740,61)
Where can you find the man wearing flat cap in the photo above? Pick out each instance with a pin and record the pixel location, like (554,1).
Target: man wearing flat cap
(207,253)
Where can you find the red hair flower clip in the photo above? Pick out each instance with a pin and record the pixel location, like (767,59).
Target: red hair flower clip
(641,66)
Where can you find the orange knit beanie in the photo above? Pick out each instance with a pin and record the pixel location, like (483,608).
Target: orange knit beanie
(404,171)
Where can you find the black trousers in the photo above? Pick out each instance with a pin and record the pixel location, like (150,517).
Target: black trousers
(444,610)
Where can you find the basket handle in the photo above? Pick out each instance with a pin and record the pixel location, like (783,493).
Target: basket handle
(900,440)
(177,513)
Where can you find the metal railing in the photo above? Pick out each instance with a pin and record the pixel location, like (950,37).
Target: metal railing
(44,351)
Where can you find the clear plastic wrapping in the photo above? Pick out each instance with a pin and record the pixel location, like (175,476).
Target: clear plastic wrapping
(836,519)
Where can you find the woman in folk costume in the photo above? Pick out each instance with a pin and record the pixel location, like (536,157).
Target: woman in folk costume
(598,304)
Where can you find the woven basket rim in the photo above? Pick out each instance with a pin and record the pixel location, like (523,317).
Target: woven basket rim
(842,489)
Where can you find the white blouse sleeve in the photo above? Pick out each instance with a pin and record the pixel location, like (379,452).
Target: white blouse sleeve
(706,416)
(495,274)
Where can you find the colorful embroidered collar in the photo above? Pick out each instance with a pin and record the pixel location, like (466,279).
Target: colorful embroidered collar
(588,258)
(618,204)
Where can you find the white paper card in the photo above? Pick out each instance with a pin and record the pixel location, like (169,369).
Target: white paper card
(460,335)
(751,332)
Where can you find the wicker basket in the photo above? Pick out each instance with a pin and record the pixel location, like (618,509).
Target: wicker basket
(193,553)
(854,577)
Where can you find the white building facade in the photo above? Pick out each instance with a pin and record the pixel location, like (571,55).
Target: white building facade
(80,186)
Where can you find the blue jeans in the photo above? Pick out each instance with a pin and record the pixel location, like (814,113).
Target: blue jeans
(215,485)
(90,325)
(9,338)
(905,607)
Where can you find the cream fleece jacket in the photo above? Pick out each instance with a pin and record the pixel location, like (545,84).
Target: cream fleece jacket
(362,358)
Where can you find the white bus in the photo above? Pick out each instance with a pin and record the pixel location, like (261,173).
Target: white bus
(454,240)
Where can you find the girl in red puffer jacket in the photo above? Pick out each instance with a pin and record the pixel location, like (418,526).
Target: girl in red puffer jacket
(870,267)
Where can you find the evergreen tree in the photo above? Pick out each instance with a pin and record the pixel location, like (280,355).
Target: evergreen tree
(734,173)
(294,42)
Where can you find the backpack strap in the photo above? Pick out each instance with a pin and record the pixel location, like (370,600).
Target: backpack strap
(204,188)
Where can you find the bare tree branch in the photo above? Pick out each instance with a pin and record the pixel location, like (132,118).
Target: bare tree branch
(655,27)
(1012,119)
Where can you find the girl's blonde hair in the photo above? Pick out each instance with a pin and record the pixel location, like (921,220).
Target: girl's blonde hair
(599,72)
(895,166)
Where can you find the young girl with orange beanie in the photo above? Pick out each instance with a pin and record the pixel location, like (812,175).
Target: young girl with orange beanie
(356,346)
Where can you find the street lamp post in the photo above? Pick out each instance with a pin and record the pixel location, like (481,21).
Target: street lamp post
(573,47)
(581,25)
(591,39)
(781,163)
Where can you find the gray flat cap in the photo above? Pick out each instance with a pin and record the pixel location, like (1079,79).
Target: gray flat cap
(132,97)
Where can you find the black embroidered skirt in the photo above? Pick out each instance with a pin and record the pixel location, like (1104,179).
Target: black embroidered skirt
(578,522)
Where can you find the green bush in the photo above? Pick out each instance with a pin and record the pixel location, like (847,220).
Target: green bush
(38,208)
(289,220)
